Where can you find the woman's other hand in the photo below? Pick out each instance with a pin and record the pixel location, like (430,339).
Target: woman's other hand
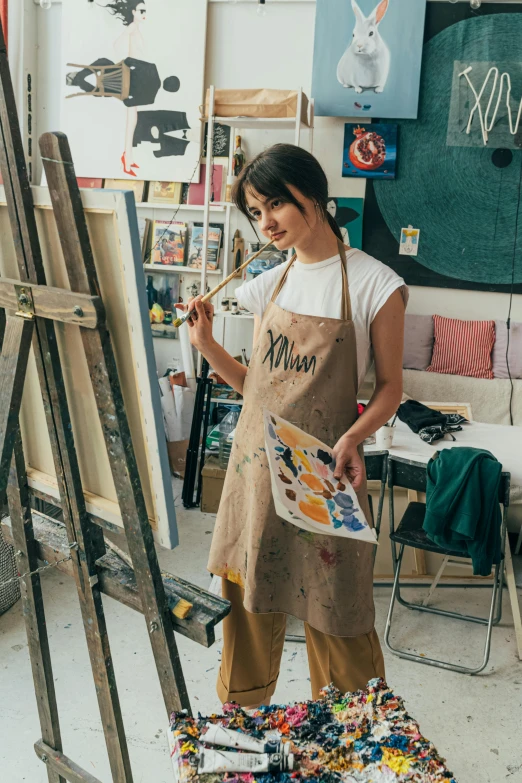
(200,322)
(348,462)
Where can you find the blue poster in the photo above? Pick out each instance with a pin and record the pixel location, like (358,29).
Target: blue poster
(370,150)
(367,58)
(348,214)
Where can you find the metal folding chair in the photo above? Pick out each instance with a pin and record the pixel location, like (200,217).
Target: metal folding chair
(410,533)
(376,470)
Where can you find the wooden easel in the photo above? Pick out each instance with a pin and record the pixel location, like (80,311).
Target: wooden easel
(36,308)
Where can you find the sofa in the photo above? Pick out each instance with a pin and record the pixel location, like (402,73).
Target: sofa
(434,342)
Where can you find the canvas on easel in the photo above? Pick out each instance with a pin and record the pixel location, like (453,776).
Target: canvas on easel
(112,223)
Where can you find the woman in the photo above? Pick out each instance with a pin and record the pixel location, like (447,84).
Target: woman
(130,43)
(339,305)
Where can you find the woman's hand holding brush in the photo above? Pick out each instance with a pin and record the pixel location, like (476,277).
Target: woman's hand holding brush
(199,322)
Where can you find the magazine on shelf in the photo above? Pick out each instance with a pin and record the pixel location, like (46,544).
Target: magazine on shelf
(196,191)
(168,243)
(194,259)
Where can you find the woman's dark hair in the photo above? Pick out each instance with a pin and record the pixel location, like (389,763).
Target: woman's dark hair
(273,170)
(123,10)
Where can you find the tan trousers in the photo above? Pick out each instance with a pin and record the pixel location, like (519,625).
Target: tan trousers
(253,645)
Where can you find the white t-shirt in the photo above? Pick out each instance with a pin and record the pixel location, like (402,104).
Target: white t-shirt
(316,289)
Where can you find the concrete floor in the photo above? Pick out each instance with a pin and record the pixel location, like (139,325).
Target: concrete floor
(475,722)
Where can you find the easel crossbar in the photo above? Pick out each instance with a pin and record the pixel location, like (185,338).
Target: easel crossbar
(117,580)
(57,304)
(62,765)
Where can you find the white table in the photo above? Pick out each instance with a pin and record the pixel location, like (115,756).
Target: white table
(505,443)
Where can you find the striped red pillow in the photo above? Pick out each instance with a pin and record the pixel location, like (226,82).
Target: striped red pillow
(462,347)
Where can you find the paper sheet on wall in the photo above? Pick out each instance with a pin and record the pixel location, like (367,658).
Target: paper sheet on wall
(303,485)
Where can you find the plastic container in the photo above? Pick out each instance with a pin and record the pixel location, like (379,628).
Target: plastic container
(221,431)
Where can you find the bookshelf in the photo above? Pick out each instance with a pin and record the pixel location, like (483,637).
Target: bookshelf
(177,270)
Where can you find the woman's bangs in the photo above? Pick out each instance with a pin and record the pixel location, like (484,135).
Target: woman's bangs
(266,184)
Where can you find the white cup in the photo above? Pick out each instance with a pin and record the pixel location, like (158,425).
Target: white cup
(384,438)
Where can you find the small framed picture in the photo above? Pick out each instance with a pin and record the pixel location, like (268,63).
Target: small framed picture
(165,192)
(138,186)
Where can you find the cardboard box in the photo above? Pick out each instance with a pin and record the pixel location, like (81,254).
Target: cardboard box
(257,103)
(177,451)
(213,478)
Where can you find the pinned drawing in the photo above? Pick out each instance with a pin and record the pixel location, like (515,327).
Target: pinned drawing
(303,485)
(409,244)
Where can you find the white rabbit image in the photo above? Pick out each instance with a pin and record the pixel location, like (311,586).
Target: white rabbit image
(365,65)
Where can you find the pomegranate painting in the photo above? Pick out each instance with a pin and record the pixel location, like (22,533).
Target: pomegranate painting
(370,150)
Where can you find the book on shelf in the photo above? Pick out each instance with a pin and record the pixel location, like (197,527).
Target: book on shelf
(138,186)
(195,253)
(168,243)
(196,191)
(145,229)
(165,192)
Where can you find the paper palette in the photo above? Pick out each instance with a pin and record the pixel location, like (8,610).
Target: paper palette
(303,485)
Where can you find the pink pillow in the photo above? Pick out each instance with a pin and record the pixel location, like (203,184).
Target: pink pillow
(462,347)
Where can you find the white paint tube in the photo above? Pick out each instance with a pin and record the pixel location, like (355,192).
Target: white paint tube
(220,761)
(228,738)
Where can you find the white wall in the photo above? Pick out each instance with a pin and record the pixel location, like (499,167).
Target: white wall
(244,50)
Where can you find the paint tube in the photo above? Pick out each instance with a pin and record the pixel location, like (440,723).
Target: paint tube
(217,735)
(210,761)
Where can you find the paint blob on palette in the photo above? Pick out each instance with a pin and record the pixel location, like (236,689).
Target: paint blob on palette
(303,485)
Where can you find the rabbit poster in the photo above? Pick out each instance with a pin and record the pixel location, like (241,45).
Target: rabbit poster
(367,58)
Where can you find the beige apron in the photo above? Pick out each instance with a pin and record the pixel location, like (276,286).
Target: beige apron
(303,368)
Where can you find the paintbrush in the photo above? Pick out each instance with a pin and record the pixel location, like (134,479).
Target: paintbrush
(180,321)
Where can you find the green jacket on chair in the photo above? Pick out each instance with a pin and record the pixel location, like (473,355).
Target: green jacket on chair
(462,507)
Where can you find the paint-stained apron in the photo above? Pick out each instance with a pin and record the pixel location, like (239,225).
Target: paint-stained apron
(303,368)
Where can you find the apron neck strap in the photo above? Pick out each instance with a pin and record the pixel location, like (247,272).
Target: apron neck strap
(282,279)
(347,304)
(346,313)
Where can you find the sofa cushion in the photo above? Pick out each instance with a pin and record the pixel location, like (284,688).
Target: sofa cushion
(462,347)
(500,369)
(418,341)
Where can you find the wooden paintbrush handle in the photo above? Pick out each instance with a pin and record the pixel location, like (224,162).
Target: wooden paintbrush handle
(234,274)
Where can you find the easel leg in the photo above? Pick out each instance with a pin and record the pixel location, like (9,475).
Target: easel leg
(15,343)
(74,238)
(33,608)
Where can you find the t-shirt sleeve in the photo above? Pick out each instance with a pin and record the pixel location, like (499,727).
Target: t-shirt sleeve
(382,282)
(256,294)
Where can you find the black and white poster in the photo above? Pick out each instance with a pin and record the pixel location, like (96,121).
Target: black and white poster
(132,85)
